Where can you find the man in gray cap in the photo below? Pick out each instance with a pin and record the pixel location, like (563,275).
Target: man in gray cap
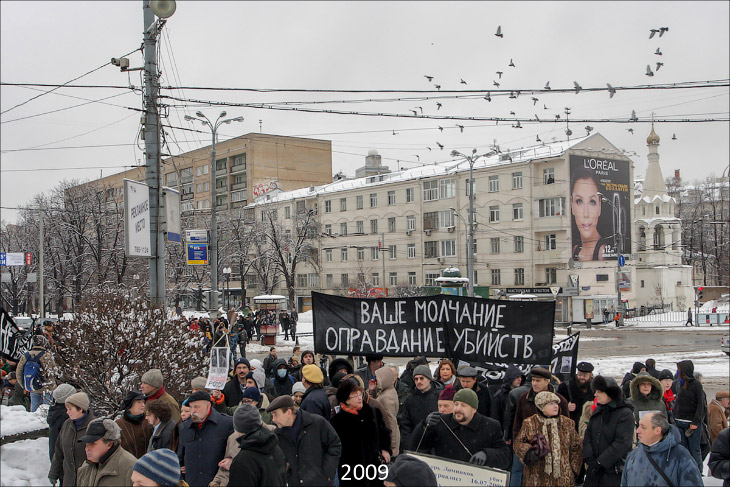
(154,388)
(578,390)
(468,379)
(260,461)
(419,403)
(107,463)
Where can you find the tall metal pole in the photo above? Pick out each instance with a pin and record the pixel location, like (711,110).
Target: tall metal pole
(383,256)
(213,245)
(41,287)
(470,250)
(620,306)
(152,157)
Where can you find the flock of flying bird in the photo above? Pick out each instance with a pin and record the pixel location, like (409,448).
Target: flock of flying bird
(577,88)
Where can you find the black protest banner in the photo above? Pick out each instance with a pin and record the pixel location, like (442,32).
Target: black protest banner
(565,357)
(469,329)
(13,341)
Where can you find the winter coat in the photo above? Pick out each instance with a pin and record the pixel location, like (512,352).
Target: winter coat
(365,374)
(313,457)
(690,404)
(608,439)
(526,407)
(315,401)
(669,455)
(571,452)
(383,430)
(651,402)
(415,409)
(499,400)
(481,434)
(48,368)
(282,386)
(164,436)
(719,461)
(361,444)
(70,452)
(631,375)
(174,406)
(716,419)
(260,462)
(510,408)
(232,449)
(268,364)
(485,397)
(232,392)
(20,398)
(55,419)
(336,364)
(201,449)
(572,393)
(388,399)
(116,471)
(135,435)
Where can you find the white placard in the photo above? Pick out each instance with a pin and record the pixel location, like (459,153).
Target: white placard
(137,219)
(172,215)
(31,277)
(12,259)
(218,371)
(453,472)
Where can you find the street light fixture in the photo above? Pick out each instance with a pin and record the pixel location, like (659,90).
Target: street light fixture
(465,226)
(213,245)
(227,274)
(619,250)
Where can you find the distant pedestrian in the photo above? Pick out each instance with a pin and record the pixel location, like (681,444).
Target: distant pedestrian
(689,317)
(36,371)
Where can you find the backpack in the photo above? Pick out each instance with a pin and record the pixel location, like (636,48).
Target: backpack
(33,379)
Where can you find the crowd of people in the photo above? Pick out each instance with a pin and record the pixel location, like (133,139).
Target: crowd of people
(294,421)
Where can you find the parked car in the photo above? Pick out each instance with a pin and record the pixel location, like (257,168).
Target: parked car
(725,344)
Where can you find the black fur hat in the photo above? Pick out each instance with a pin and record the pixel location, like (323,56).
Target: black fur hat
(346,388)
(607,385)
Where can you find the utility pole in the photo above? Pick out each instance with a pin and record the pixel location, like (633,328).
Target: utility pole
(383,255)
(152,157)
(41,287)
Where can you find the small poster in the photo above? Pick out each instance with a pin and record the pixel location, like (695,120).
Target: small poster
(218,372)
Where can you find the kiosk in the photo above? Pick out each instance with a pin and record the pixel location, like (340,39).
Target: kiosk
(276,303)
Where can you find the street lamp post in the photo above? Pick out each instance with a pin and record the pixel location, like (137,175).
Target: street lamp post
(465,226)
(227,273)
(213,245)
(619,250)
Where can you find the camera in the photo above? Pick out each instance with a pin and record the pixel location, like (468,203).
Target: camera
(123,62)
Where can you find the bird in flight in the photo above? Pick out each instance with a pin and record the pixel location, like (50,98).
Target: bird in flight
(429,148)
(589,129)
(461,127)
(495,83)
(547,86)
(438,87)
(415,113)
(500,73)
(631,131)
(441,146)
(659,65)
(420,108)
(649,72)
(517,126)
(537,118)
(463,82)
(674,136)
(662,30)
(611,90)
(534,101)
(438,106)
(538,139)
(488,98)
(513,113)
(577,87)
(429,78)
(441,128)
(511,63)
(394,132)
(557,117)
(652,33)
(633,118)
(658,52)
(499,32)
(512,94)
(544,107)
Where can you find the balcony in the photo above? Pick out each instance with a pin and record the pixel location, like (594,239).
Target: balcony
(186,196)
(553,257)
(186,179)
(238,168)
(551,223)
(236,186)
(221,189)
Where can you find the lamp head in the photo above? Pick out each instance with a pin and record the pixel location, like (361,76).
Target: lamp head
(454,153)
(223,114)
(199,113)
(189,118)
(237,119)
(473,151)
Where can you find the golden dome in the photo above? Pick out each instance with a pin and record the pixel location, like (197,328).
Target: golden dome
(653,138)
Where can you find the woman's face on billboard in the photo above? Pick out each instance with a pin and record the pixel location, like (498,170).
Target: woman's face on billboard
(586,207)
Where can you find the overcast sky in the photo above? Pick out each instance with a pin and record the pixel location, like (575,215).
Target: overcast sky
(366,46)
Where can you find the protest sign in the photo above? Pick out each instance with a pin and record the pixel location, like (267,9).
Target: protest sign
(453,472)
(218,371)
(470,329)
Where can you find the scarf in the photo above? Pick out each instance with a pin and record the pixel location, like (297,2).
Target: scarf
(200,425)
(79,422)
(669,399)
(133,418)
(157,394)
(549,430)
(348,409)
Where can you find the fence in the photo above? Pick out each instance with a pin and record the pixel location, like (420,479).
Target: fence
(680,318)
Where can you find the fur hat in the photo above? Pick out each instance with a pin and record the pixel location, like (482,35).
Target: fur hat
(153,377)
(467,396)
(346,388)
(246,418)
(80,400)
(61,393)
(313,374)
(102,428)
(544,398)
(198,383)
(423,370)
(721,395)
(607,385)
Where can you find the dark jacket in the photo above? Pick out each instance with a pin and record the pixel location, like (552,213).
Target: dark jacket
(526,407)
(485,397)
(201,449)
(282,386)
(315,401)
(336,364)
(719,461)
(20,398)
(652,401)
(259,463)
(365,374)
(626,382)
(415,409)
(56,417)
(499,400)
(70,453)
(361,444)
(232,392)
(572,393)
(481,434)
(608,440)
(135,434)
(690,404)
(511,405)
(163,437)
(670,456)
(268,364)
(314,455)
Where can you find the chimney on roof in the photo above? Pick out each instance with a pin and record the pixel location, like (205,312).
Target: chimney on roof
(676,174)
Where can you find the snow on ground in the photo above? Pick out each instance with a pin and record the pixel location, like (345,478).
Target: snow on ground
(25,463)
(15,420)
(709,363)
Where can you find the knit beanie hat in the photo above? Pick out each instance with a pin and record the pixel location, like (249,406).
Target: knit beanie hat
(242,361)
(666,374)
(246,418)
(313,374)
(544,398)
(62,392)
(423,370)
(153,377)
(252,393)
(299,387)
(79,399)
(467,396)
(198,383)
(161,466)
(447,394)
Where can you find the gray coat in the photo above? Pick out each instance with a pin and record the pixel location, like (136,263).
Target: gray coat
(652,401)
(70,453)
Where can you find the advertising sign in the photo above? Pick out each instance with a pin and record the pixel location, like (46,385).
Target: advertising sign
(453,472)
(600,205)
(137,219)
(12,258)
(196,236)
(624,281)
(172,215)
(197,254)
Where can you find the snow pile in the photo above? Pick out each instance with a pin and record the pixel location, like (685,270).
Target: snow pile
(25,463)
(709,363)
(15,420)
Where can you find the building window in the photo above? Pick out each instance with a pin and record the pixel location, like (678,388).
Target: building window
(328,255)
(493,184)
(447,188)
(313,280)
(430,220)
(301,280)
(373,226)
(446,218)
(430,249)
(517,180)
(551,206)
(328,228)
(448,248)
(656,210)
(328,206)
(343,228)
(517,213)
(391,198)
(343,255)
(361,253)
(360,226)
(496,277)
(287,212)
(411,278)
(494,244)
(220,165)
(411,222)
(301,207)
(344,280)
(221,200)
(411,251)
(430,190)
(519,244)
(548,175)
(373,200)
(171,179)
(239,162)
(330,280)
(237,196)
(391,224)
(551,242)
(410,195)
(392,252)
(376,279)
(519,276)
(431,278)
(642,283)
(358,202)
(374,253)
(393,278)
(343,204)
(494,214)
(551,275)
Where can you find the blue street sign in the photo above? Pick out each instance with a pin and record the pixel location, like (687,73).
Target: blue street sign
(197,254)
(621,261)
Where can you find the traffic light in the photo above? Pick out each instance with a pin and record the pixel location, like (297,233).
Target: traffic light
(700,292)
